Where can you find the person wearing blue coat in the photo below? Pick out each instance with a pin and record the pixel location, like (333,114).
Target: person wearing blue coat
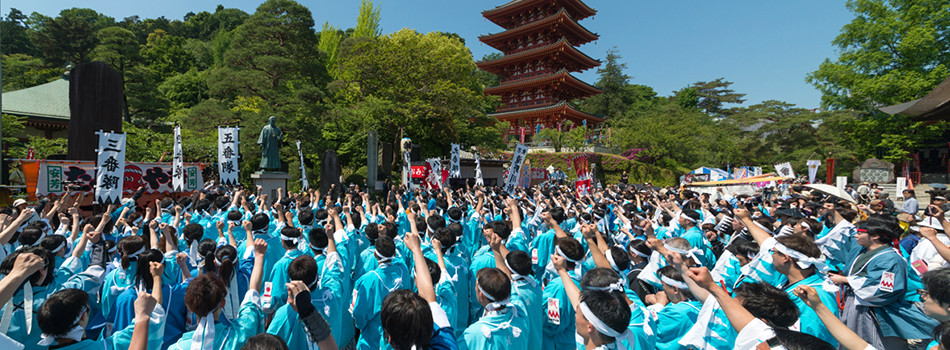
(370,290)
(800,260)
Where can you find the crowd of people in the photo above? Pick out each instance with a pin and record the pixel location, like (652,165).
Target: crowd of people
(622,267)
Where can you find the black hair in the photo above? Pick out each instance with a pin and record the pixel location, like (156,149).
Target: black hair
(202,205)
(234,215)
(601,278)
(445,237)
(520,262)
(304,268)
(455,213)
(192,232)
(792,340)
(142,273)
(620,257)
(937,283)
(493,282)
(501,229)
(640,246)
(60,309)
(318,238)
(672,273)
(435,222)
(221,202)
(52,242)
(6,266)
(434,271)
(130,245)
(289,232)
(558,214)
(227,255)
(385,246)
(30,235)
(572,249)
(406,320)
(372,232)
(456,229)
(259,221)
(391,231)
(610,309)
(265,341)
(769,303)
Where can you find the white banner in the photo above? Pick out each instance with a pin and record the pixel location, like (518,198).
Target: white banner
(406,170)
(228,155)
(841,182)
(813,170)
(478,172)
(435,176)
(455,166)
(178,171)
(303,169)
(110,167)
(784,170)
(901,185)
(514,171)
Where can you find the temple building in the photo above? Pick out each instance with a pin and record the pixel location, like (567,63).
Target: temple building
(539,43)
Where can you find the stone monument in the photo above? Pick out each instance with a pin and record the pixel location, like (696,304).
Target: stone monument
(874,171)
(269,177)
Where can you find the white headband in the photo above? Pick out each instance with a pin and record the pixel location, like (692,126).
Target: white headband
(684,216)
(610,260)
(602,327)
(617,286)
(74,333)
(136,254)
(804,261)
(640,254)
(687,253)
(674,283)
(518,277)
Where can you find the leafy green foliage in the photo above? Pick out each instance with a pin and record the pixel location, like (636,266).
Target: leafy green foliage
(713,94)
(367,22)
(893,51)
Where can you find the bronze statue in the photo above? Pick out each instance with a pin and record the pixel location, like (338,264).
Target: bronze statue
(269,141)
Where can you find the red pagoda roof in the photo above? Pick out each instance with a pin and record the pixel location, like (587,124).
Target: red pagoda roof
(561,22)
(560,109)
(502,15)
(562,51)
(560,77)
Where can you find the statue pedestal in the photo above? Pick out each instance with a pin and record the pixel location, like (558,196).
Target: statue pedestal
(270,181)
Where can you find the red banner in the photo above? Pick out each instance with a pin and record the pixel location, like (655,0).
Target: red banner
(417,171)
(581,168)
(582,187)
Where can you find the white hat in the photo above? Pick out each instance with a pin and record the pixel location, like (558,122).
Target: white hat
(19,202)
(931,222)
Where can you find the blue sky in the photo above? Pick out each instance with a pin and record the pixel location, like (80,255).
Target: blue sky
(765,47)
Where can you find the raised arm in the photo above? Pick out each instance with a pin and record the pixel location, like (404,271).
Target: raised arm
(24,267)
(423,280)
(498,250)
(7,233)
(735,312)
(757,232)
(573,293)
(257,274)
(844,335)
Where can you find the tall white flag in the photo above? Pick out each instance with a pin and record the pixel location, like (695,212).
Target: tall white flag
(435,176)
(178,163)
(303,169)
(478,172)
(514,171)
(407,170)
(110,167)
(455,167)
(785,169)
(228,155)
(813,170)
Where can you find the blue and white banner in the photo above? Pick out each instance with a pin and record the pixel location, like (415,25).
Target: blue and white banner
(228,155)
(110,167)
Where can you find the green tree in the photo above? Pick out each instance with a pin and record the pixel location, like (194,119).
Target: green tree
(117,47)
(66,39)
(367,22)
(21,71)
(165,54)
(713,94)
(613,81)
(893,51)
(329,43)
(406,84)
(15,38)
